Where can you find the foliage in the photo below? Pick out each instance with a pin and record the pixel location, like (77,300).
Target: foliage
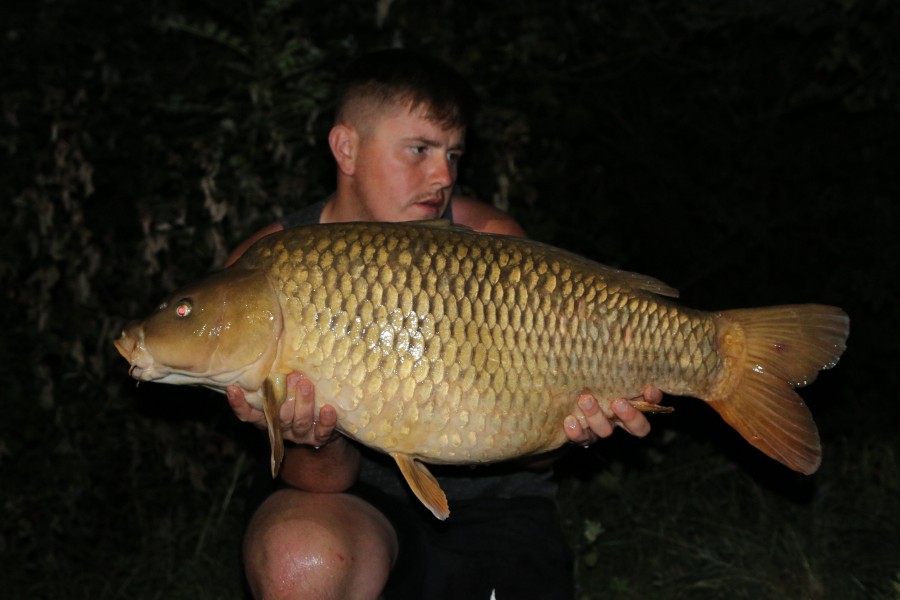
(721,146)
(690,524)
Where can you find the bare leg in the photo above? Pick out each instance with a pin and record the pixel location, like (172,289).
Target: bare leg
(307,545)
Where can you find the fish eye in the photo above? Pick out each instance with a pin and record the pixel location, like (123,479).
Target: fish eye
(183,308)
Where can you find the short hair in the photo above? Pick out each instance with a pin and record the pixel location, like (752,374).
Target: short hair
(400,77)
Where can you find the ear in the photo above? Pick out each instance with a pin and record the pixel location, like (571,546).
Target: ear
(344,141)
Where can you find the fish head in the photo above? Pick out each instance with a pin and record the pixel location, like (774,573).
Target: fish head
(223,330)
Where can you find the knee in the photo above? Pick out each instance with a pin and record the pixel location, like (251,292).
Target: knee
(296,555)
(294,558)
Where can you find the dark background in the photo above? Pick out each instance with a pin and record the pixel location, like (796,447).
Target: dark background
(744,152)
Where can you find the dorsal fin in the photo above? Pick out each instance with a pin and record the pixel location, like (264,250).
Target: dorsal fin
(423,484)
(638,281)
(630,279)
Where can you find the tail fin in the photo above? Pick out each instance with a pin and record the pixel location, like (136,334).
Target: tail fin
(768,352)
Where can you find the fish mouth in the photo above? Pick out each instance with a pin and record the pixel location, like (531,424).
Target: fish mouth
(144,367)
(130,345)
(123,346)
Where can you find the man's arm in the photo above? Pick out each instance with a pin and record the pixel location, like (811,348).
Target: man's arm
(245,245)
(484,217)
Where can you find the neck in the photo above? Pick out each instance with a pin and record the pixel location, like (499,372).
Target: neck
(344,207)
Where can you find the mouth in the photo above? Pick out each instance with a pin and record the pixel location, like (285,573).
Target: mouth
(125,346)
(132,350)
(434,204)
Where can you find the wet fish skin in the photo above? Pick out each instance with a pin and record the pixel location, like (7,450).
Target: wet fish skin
(441,345)
(385,325)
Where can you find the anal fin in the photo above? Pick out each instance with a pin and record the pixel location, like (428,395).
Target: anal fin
(423,484)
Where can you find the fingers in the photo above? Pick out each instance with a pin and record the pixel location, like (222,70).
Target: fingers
(324,432)
(576,433)
(597,421)
(652,394)
(590,422)
(300,421)
(242,409)
(630,418)
(587,423)
(298,411)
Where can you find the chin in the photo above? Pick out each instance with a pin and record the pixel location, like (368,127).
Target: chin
(428,211)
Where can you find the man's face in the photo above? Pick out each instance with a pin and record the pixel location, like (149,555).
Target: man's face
(406,166)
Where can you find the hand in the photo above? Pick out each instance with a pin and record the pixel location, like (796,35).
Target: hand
(299,423)
(591,423)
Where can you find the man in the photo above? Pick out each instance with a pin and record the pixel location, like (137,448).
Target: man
(344,526)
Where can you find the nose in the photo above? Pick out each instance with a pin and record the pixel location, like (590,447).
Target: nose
(443,171)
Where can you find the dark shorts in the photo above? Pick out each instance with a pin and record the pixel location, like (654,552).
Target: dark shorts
(512,547)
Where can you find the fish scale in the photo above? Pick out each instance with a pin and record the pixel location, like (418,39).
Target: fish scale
(575,331)
(438,344)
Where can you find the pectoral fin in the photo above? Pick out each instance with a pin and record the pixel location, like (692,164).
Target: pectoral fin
(273,395)
(424,485)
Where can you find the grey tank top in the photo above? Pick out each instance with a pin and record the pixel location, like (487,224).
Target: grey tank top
(503,480)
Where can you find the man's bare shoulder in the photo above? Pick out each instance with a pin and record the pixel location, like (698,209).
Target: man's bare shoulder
(484,217)
(245,245)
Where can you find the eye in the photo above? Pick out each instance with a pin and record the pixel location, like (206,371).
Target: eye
(183,308)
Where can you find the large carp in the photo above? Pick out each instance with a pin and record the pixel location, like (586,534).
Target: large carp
(441,345)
